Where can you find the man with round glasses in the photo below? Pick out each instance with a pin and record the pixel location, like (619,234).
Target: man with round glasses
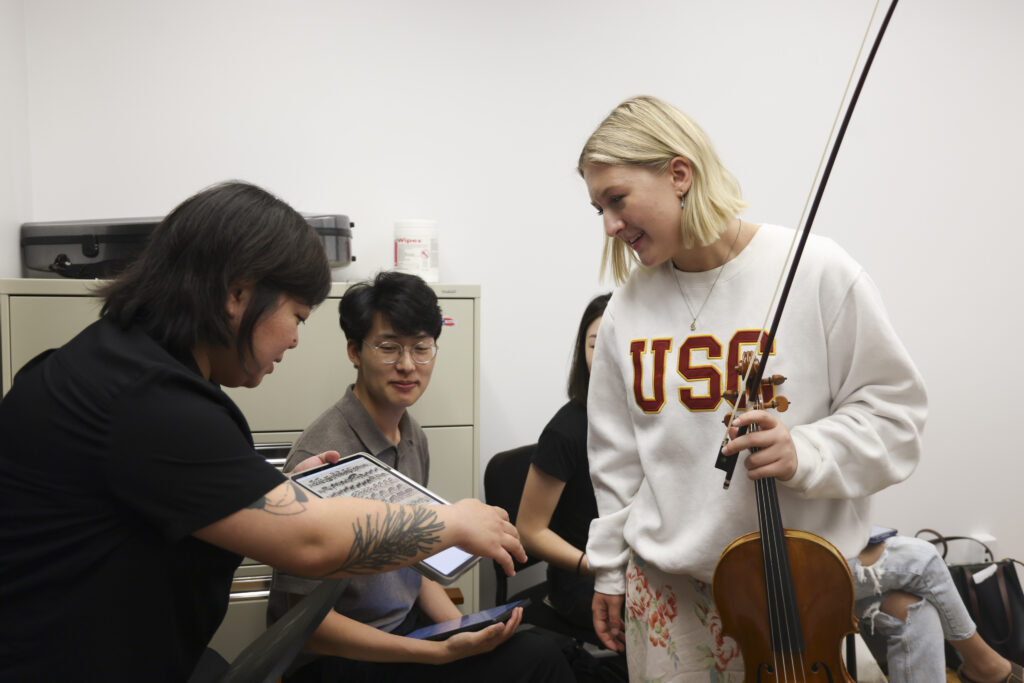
(421,352)
(391,325)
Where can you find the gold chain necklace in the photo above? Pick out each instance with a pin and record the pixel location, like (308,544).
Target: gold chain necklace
(693,325)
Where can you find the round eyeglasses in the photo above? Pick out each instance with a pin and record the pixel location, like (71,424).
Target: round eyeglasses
(390,352)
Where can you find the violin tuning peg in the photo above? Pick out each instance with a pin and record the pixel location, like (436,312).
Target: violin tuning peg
(745,360)
(727,419)
(730,395)
(777,379)
(781,404)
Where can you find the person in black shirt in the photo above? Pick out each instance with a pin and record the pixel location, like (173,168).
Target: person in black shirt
(558,499)
(131,489)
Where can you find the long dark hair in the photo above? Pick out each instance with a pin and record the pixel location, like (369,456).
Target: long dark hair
(579,373)
(228,234)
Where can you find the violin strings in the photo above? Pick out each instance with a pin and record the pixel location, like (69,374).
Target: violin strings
(787,642)
(783,619)
(770,578)
(794,631)
(770,582)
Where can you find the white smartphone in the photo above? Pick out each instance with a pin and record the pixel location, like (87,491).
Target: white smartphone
(363,476)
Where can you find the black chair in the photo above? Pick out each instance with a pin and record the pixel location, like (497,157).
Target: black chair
(504,478)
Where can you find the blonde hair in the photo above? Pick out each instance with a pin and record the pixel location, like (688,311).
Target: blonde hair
(645,131)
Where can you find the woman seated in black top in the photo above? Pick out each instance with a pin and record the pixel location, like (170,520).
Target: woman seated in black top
(558,499)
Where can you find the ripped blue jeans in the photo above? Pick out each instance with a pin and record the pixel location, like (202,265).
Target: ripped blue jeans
(915,648)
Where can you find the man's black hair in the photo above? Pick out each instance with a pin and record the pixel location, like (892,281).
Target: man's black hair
(405,301)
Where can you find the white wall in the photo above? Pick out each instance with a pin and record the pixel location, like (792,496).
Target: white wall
(14,153)
(473,113)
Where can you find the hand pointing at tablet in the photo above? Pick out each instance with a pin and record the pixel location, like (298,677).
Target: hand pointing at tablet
(485,530)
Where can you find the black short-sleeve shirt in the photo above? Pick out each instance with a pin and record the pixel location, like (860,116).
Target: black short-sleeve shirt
(112,452)
(562,453)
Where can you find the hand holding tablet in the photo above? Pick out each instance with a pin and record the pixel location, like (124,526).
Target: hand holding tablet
(470,622)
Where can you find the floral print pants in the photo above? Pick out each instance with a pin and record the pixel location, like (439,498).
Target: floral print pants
(673,631)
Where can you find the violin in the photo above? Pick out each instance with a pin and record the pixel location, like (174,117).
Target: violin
(770,583)
(786,596)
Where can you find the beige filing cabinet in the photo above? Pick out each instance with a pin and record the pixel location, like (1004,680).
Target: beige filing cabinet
(38,314)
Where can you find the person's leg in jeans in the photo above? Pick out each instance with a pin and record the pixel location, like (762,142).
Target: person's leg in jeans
(906,598)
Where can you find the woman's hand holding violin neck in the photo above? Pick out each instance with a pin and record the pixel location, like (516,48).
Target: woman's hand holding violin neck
(772,451)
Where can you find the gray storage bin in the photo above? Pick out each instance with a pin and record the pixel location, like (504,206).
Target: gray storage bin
(102,248)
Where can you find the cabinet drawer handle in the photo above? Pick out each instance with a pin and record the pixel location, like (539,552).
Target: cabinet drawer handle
(248,596)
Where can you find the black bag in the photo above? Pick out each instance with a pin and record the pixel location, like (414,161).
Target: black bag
(586,668)
(996,603)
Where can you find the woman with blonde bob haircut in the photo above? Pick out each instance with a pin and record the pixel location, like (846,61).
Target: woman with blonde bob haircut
(646,132)
(664,363)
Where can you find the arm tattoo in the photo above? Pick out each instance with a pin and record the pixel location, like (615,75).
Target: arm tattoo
(291,500)
(382,541)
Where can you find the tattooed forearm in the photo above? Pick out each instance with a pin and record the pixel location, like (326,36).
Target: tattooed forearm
(382,541)
(286,500)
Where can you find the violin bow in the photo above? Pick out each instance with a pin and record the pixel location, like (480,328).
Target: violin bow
(727,463)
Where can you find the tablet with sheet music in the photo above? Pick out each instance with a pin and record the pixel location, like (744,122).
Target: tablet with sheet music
(363,476)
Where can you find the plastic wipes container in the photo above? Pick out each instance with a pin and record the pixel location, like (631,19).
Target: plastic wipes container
(416,248)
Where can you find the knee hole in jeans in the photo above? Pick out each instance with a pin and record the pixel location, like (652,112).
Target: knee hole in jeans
(897,604)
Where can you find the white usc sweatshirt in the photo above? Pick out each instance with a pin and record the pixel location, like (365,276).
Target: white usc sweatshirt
(655,407)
